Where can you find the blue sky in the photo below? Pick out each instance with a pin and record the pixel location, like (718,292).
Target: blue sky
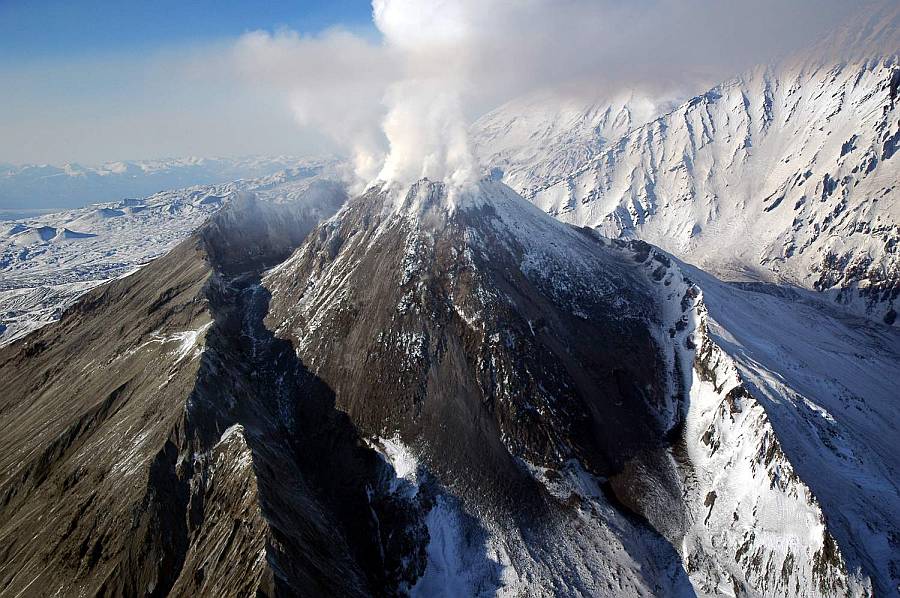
(45,29)
(100,80)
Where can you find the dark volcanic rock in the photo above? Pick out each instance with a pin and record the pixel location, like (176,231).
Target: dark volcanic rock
(494,340)
(195,429)
(154,440)
(428,324)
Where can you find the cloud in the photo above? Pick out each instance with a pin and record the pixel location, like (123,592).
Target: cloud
(334,82)
(401,104)
(180,101)
(398,100)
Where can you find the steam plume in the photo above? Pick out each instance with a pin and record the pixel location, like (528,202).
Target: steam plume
(400,105)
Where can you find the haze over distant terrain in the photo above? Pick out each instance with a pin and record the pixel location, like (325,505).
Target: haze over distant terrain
(110,81)
(32,188)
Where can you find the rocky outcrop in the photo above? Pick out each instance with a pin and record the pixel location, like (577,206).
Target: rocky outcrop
(753,527)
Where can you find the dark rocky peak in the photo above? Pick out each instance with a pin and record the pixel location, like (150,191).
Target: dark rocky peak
(490,337)
(196,456)
(250,234)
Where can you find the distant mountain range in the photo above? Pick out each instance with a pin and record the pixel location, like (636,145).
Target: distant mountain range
(654,351)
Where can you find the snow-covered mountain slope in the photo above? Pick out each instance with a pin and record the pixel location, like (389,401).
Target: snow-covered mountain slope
(791,408)
(787,173)
(35,186)
(48,262)
(545,134)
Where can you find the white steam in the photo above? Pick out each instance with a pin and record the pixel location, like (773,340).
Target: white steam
(335,84)
(227,97)
(425,125)
(397,105)
(400,105)
(427,135)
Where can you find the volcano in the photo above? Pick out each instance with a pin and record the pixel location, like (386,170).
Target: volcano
(422,391)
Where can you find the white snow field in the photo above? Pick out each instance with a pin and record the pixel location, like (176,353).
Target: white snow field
(47,262)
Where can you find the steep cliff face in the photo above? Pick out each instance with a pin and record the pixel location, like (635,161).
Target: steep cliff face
(808,393)
(758,525)
(83,462)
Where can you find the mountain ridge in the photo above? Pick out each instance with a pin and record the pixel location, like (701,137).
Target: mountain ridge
(391,401)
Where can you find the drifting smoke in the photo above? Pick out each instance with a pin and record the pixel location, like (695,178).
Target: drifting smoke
(334,82)
(401,105)
(425,125)
(367,96)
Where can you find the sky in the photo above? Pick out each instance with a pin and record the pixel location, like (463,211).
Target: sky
(391,83)
(36,29)
(98,80)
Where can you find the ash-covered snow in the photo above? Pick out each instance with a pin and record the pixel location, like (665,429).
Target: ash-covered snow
(463,559)
(469,555)
(403,462)
(460,561)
